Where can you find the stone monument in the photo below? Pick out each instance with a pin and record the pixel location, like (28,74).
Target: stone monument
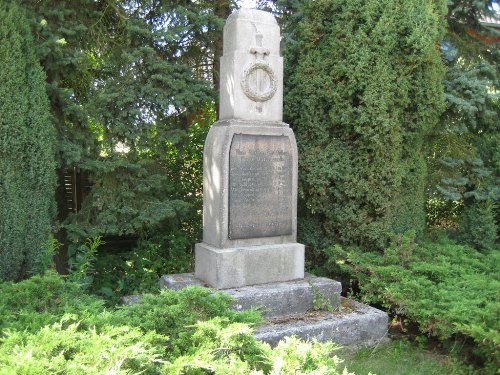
(249,246)
(250,165)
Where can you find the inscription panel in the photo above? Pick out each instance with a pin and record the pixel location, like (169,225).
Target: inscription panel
(260,186)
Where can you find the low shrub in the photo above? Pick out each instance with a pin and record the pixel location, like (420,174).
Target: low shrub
(50,325)
(175,313)
(138,270)
(43,300)
(67,348)
(232,349)
(450,290)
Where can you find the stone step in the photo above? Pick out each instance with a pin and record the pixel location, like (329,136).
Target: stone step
(290,309)
(275,300)
(353,325)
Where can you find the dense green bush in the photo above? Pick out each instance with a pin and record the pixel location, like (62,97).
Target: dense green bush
(479,227)
(232,349)
(49,325)
(450,290)
(27,150)
(67,348)
(364,86)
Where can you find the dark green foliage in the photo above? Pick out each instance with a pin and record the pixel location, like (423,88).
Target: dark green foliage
(463,150)
(479,228)
(49,326)
(82,263)
(165,247)
(450,290)
(129,85)
(139,115)
(138,270)
(27,147)
(363,88)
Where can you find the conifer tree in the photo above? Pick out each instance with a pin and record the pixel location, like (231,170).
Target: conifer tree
(27,138)
(125,81)
(463,149)
(364,87)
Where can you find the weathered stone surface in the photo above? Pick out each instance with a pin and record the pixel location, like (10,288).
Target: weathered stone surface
(132,299)
(364,326)
(288,305)
(250,165)
(275,299)
(251,67)
(260,186)
(216,182)
(288,298)
(179,281)
(249,265)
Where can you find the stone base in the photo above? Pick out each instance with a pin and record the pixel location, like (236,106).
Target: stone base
(289,310)
(250,265)
(354,325)
(290,298)
(180,281)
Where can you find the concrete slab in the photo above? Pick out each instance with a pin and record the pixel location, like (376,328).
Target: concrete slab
(356,326)
(288,308)
(288,298)
(275,299)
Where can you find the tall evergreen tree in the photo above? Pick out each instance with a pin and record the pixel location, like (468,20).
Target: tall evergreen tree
(463,150)
(126,81)
(27,148)
(364,86)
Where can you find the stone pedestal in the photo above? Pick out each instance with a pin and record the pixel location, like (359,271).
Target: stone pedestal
(250,165)
(240,266)
(249,206)
(291,309)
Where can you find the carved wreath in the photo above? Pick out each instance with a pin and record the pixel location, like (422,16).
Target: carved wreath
(252,94)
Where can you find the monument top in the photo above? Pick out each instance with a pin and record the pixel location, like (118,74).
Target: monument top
(247,28)
(251,67)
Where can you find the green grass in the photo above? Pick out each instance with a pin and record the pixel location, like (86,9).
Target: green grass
(402,358)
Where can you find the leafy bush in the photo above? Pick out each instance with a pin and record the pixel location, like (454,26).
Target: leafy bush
(175,313)
(44,300)
(138,270)
(81,263)
(450,290)
(50,325)
(229,349)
